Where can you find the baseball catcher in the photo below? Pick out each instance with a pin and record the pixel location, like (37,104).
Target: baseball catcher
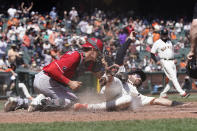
(57,80)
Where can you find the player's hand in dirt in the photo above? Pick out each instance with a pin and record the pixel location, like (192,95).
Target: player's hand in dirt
(74,84)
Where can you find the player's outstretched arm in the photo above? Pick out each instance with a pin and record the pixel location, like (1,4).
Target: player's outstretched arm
(122,50)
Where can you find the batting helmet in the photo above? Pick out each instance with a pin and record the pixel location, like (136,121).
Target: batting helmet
(139,72)
(191,68)
(164,32)
(94,43)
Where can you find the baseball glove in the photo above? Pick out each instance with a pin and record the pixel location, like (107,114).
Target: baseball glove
(191,68)
(103,81)
(112,70)
(122,76)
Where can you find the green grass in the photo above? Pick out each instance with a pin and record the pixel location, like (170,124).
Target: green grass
(136,125)
(191,98)
(177,97)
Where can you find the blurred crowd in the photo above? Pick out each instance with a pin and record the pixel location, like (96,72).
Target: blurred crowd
(31,40)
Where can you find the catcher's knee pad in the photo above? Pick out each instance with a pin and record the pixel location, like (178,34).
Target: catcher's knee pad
(53,104)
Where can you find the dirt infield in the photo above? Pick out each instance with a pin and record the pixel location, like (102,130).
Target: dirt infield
(189,110)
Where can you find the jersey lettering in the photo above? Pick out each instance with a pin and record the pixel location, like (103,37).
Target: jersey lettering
(166,47)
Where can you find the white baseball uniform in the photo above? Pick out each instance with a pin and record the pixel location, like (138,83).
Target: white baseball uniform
(165,52)
(121,96)
(115,97)
(137,98)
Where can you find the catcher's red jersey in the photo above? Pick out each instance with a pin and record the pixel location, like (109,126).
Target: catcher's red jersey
(63,70)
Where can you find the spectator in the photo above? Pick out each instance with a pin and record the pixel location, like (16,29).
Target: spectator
(26,39)
(12,12)
(122,36)
(4,62)
(104,25)
(47,57)
(73,14)
(11,35)
(83,26)
(19,60)
(53,14)
(3,46)
(12,54)
(156,36)
(26,10)
(46,45)
(52,36)
(182,65)
(150,37)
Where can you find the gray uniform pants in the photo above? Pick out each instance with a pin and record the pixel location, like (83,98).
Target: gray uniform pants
(61,95)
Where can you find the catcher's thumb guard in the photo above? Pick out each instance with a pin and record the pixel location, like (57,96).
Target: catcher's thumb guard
(191,68)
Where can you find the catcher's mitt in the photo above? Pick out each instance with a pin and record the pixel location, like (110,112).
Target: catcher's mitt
(122,76)
(103,81)
(112,70)
(191,68)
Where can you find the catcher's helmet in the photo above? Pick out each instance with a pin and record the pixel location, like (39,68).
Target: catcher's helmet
(191,68)
(139,72)
(94,43)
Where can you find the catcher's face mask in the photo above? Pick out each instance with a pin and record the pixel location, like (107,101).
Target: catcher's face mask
(97,45)
(103,81)
(93,55)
